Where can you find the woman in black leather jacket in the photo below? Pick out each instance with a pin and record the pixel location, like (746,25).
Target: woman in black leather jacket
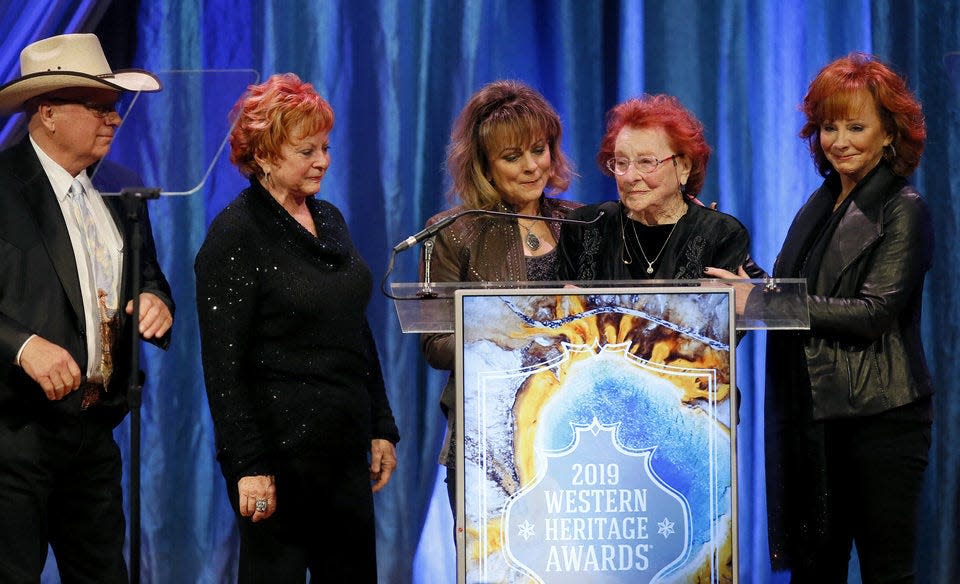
(848,403)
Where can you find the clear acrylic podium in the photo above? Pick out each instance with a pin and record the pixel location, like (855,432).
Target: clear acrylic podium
(777,304)
(597,424)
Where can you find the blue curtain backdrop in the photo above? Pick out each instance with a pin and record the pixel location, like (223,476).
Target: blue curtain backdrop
(396,73)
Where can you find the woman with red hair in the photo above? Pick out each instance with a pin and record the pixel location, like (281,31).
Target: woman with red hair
(292,374)
(848,405)
(655,150)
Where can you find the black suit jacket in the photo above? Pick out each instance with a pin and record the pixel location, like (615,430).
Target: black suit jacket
(40,289)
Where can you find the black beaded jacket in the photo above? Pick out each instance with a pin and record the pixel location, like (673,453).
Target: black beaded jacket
(703,238)
(289,360)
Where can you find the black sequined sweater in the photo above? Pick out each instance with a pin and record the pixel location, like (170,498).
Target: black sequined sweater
(289,360)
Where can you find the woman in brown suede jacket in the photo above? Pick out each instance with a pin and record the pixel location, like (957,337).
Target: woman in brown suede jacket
(504,155)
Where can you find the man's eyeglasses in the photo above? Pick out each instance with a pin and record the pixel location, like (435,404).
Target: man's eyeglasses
(101,110)
(619,165)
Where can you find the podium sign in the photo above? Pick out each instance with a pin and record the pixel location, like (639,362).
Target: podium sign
(596,441)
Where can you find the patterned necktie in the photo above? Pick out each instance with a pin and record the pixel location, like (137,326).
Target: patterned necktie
(100,268)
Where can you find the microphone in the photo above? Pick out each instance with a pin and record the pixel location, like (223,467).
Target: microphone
(428,232)
(432,230)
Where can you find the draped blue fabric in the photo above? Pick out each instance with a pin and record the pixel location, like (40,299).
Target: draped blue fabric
(396,74)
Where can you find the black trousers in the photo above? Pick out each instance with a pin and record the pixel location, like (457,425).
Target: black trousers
(874,475)
(60,484)
(324,522)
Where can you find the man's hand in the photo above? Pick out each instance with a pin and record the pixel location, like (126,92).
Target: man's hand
(155,317)
(383,460)
(51,366)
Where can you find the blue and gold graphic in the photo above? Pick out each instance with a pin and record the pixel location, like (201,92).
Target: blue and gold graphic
(597,444)
(598,511)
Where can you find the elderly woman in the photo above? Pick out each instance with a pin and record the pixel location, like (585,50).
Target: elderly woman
(504,156)
(848,405)
(292,373)
(655,150)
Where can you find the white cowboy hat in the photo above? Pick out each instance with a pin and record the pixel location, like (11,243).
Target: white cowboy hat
(68,60)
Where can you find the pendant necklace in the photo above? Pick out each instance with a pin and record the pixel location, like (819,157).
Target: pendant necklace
(663,247)
(532,241)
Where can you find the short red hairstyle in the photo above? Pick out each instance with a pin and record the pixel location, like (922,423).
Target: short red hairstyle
(272,114)
(684,131)
(833,92)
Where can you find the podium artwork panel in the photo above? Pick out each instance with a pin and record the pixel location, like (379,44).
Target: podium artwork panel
(596,440)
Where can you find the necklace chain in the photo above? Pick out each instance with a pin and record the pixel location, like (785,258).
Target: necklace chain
(650,262)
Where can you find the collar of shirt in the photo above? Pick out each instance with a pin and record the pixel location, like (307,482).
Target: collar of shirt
(59,178)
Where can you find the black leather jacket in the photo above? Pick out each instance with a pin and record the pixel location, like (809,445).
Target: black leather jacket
(864,353)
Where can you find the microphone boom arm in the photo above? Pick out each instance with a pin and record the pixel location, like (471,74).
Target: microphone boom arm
(443,223)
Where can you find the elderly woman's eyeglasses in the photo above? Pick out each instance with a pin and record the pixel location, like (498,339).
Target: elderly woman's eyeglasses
(101,110)
(619,165)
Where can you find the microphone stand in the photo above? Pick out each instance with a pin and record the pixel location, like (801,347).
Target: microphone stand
(134,199)
(426,289)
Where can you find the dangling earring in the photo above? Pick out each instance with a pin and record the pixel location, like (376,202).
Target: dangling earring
(892,155)
(682,188)
(266,177)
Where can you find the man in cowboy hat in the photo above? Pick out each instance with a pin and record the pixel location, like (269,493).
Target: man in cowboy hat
(64,306)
